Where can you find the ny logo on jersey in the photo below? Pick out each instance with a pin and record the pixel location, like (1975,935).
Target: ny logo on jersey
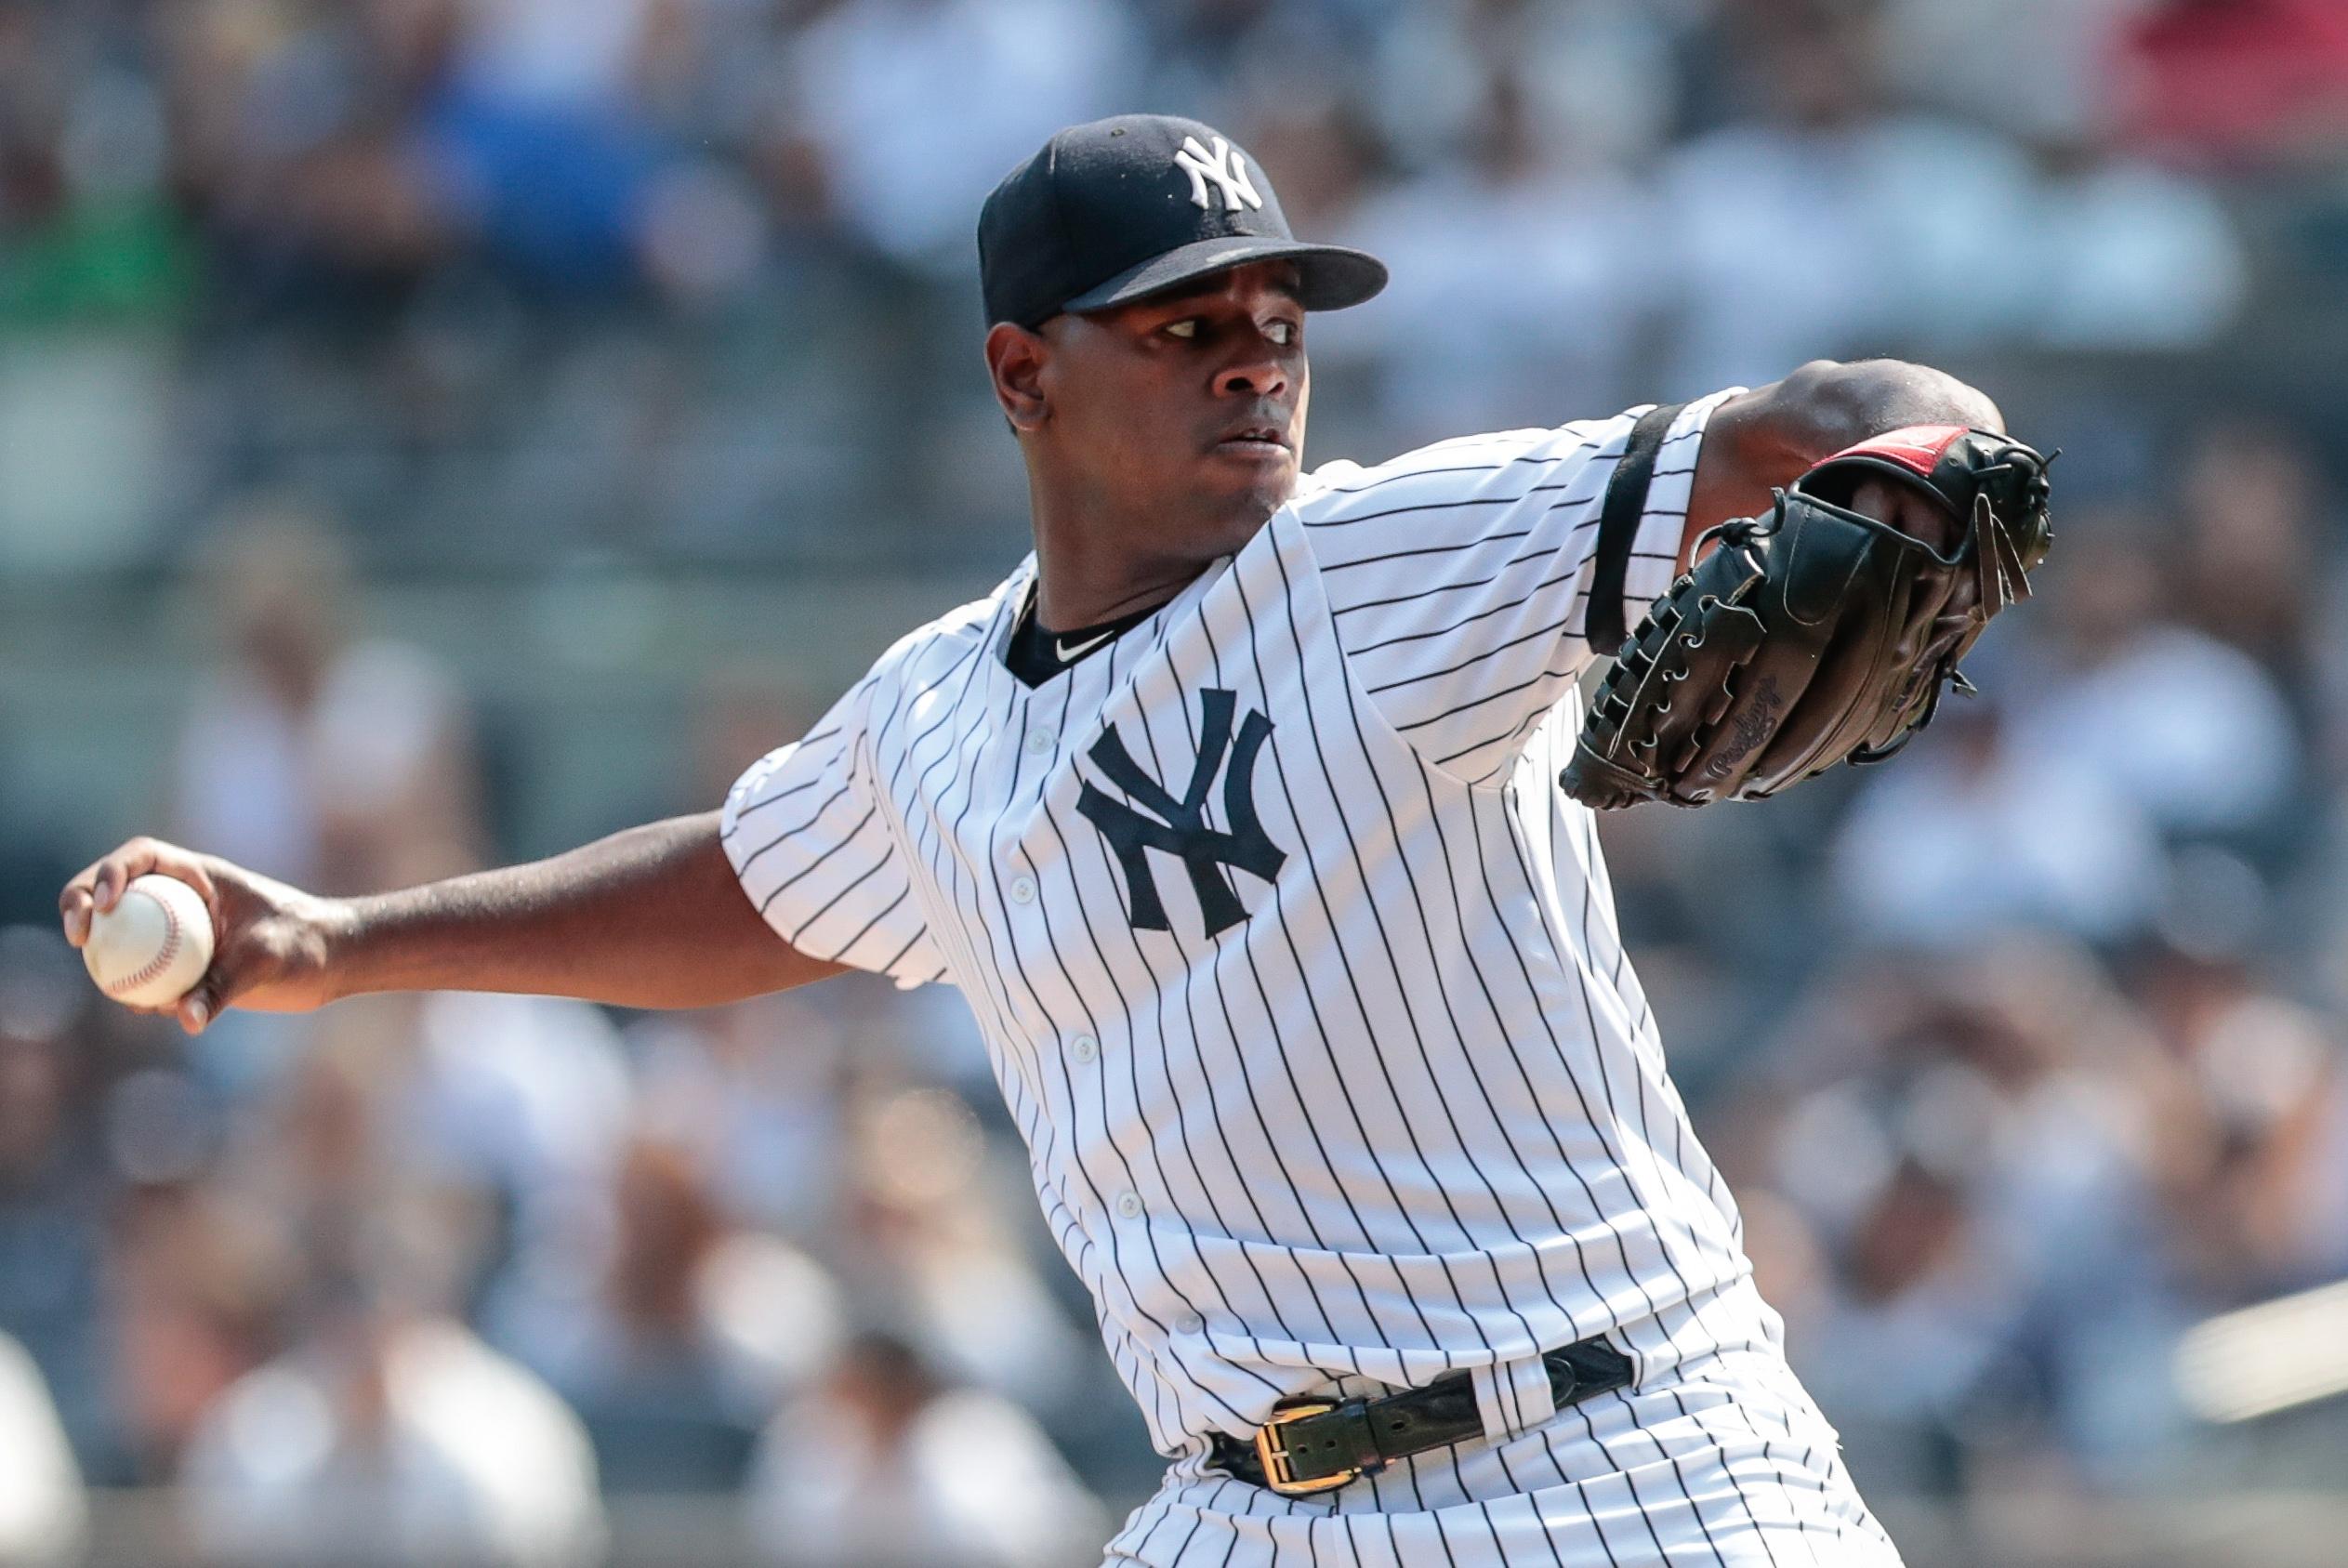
(1225,167)
(1180,826)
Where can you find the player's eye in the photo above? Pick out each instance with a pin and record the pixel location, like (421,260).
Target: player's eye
(1185,328)
(1282,333)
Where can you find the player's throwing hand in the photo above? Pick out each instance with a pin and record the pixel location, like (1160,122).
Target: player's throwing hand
(271,942)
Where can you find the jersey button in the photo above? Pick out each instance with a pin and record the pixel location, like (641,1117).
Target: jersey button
(1040,740)
(1130,1206)
(1190,1322)
(1084,1048)
(1022,890)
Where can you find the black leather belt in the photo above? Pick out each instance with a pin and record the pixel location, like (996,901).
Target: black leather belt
(1319,1444)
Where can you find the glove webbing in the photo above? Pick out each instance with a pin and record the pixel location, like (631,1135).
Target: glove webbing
(1602,622)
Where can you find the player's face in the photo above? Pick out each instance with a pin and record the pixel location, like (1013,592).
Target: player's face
(1187,409)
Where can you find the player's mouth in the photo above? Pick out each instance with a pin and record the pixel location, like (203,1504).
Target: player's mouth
(1259,439)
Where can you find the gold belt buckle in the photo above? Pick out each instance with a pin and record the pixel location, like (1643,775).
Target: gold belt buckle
(1274,1459)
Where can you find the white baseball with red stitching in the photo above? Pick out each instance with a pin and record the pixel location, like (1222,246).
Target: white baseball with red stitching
(153,946)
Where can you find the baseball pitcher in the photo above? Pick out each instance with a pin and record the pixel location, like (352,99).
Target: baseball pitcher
(1252,814)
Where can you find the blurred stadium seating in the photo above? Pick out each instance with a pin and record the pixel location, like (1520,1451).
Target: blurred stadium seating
(438,431)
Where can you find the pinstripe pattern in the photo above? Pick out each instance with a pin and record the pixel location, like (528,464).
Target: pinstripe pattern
(1729,1463)
(1409,1114)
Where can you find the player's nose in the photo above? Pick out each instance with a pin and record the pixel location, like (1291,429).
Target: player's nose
(1260,372)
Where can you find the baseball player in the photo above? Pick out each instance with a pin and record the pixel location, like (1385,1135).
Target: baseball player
(1234,813)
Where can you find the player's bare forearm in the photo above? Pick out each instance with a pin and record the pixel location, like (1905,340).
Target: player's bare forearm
(652,917)
(1773,435)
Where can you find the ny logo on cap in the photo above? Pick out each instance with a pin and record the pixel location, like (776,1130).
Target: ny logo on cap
(1225,167)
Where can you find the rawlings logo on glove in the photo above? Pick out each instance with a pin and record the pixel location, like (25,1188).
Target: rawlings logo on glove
(1817,635)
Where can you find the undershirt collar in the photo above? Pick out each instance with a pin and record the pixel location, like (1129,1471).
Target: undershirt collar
(1036,655)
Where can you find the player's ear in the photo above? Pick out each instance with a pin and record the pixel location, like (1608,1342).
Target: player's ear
(1015,359)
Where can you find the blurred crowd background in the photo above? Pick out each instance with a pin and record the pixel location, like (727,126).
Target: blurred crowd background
(434,432)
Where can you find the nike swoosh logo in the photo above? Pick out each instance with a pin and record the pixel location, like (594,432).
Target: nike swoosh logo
(1067,653)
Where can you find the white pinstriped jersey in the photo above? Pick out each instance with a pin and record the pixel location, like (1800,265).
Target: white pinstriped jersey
(1298,972)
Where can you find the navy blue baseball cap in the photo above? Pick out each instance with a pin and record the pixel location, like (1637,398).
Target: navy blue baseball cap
(1140,204)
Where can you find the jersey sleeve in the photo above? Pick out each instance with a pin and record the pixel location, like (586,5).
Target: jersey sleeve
(1458,576)
(805,833)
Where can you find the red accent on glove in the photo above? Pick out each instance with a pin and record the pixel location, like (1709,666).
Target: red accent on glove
(1914,446)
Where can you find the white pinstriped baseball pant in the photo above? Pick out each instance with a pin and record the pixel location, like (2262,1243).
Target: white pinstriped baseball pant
(1722,1463)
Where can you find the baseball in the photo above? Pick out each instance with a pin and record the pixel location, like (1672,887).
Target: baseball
(153,946)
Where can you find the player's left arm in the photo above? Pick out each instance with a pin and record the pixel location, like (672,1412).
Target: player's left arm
(1770,436)
(1832,618)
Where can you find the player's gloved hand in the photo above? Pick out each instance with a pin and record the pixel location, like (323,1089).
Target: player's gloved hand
(1820,632)
(272,944)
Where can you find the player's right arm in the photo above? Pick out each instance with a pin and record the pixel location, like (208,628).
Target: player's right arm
(652,917)
(796,877)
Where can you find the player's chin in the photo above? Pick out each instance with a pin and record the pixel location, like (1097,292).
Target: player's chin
(1258,478)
